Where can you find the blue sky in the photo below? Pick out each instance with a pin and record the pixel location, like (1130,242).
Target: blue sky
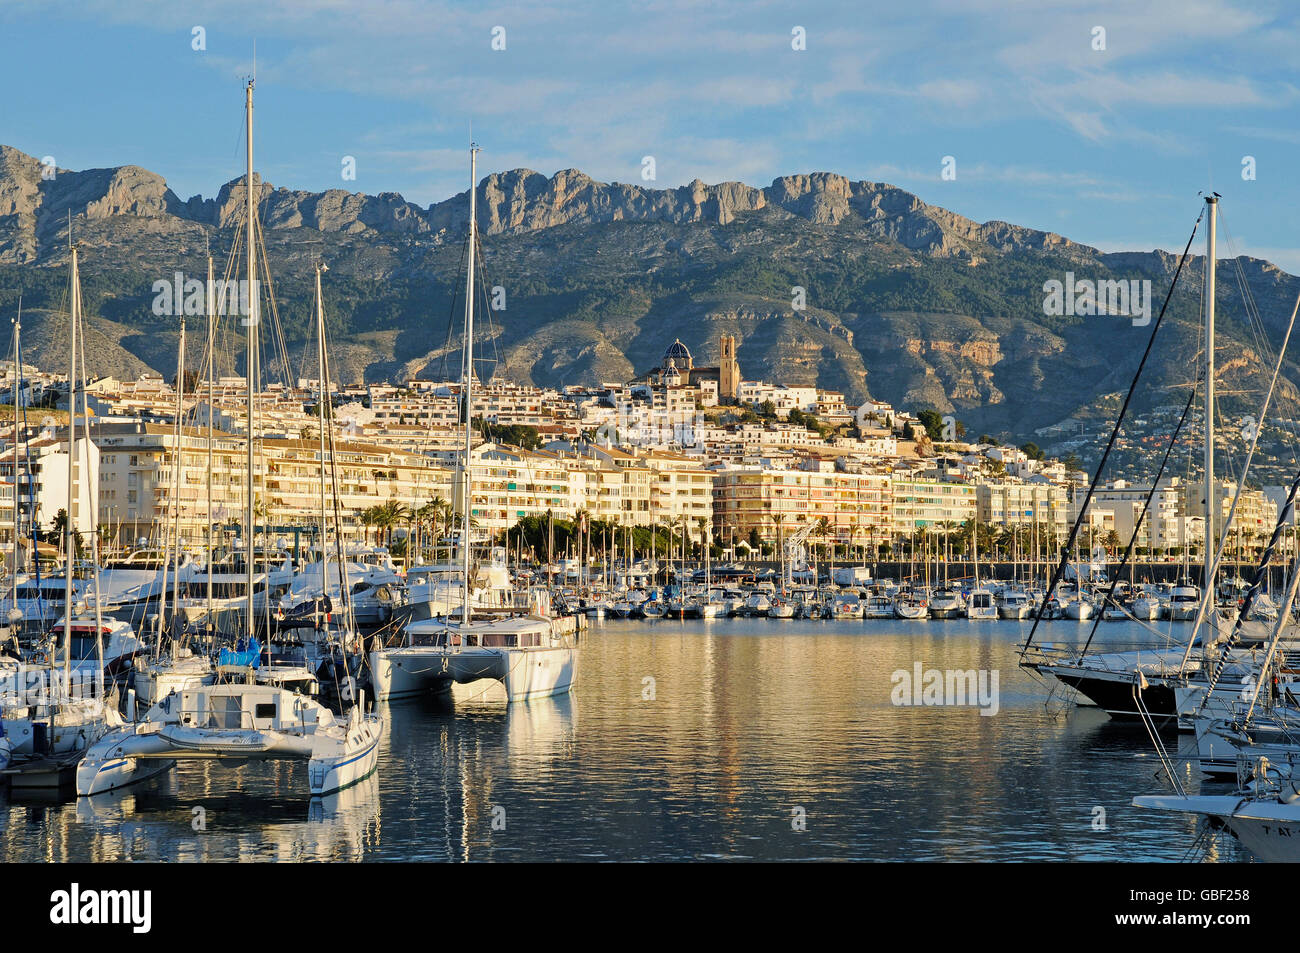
(1108,147)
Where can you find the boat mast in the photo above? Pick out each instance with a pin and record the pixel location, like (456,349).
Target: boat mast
(467,389)
(1212,206)
(176,500)
(324,396)
(212,318)
(251,321)
(18,389)
(74,307)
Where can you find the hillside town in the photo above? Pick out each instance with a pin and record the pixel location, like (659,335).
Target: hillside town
(741,462)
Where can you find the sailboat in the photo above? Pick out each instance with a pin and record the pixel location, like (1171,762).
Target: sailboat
(982,604)
(502,657)
(48,724)
(242,720)
(1166,674)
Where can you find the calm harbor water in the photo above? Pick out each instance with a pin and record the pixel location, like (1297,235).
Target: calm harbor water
(753,724)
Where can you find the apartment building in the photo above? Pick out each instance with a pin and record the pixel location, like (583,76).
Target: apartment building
(40,480)
(772,503)
(922,502)
(1012,504)
(138,476)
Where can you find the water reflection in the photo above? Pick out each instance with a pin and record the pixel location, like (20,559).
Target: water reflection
(684,740)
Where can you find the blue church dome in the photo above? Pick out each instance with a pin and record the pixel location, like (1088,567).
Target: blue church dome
(678,353)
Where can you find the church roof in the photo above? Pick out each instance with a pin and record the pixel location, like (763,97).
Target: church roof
(677,351)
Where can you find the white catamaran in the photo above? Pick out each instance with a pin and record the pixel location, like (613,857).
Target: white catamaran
(507,658)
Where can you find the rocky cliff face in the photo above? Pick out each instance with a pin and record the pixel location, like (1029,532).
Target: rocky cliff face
(35,203)
(857,286)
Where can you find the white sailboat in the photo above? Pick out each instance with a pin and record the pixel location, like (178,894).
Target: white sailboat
(242,720)
(506,658)
(1265,821)
(982,605)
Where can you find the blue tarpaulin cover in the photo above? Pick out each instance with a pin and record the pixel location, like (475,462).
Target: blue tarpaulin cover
(240,656)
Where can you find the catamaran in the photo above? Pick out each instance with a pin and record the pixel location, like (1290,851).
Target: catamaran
(509,655)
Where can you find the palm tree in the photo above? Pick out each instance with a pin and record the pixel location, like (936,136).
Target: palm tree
(428,513)
(823,528)
(390,513)
(779,520)
(370,516)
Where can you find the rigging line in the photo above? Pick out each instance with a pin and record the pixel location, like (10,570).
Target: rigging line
(451,310)
(493,330)
(1259,331)
(1248,301)
(1137,525)
(1261,574)
(218,339)
(1261,571)
(279,350)
(1110,444)
(349,616)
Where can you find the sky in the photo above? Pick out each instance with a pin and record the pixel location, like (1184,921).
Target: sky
(1099,121)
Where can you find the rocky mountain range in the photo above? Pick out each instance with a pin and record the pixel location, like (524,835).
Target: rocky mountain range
(901,300)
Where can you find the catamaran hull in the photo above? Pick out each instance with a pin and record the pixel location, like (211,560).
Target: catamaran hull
(101,777)
(399,674)
(531,674)
(129,756)
(494,675)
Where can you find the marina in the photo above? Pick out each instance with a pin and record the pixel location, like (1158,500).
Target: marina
(289,671)
(743,727)
(441,441)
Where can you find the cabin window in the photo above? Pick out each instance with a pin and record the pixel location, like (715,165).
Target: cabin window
(266,710)
(84,646)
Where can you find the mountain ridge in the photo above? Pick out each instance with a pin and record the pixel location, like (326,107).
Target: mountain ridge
(510,202)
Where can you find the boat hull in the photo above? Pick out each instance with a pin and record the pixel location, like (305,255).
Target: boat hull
(487,675)
(1268,829)
(1113,692)
(330,770)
